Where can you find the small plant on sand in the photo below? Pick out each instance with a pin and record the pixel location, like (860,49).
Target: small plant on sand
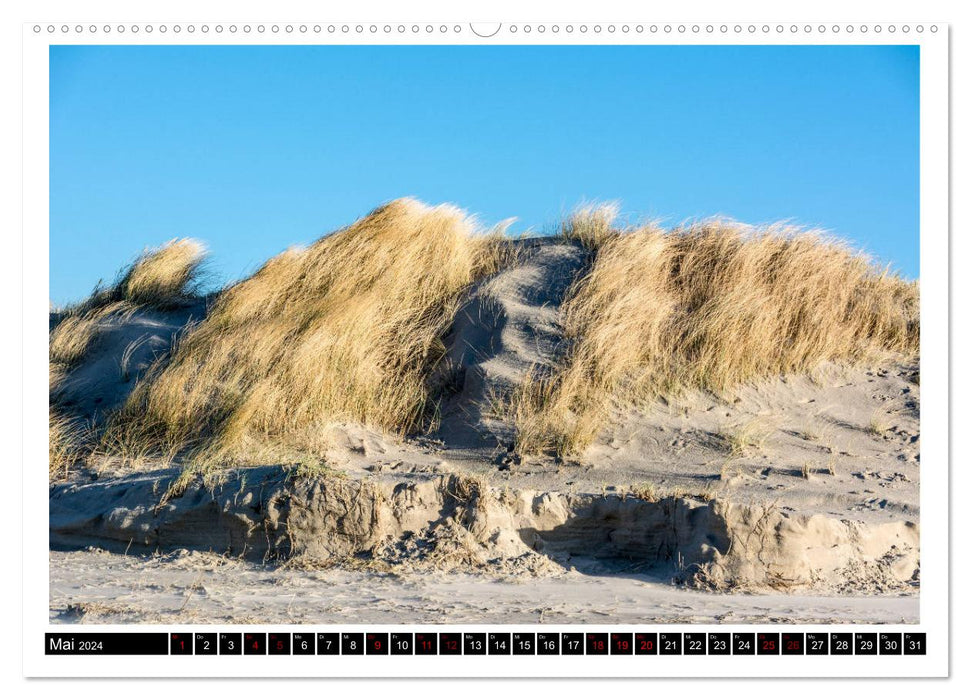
(179,485)
(123,448)
(809,433)
(467,488)
(680,492)
(878,424)
(312,468)
(707,494)
(728,469)
(646,491)
(677,492)
(126,356)
(741,440)
(806,470)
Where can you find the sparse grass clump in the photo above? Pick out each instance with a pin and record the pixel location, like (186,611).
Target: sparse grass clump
(646,491)
(592,225)
(160,278)
(71,338)
(728,469)
(809,433)
(652,493)
(740,440)
(879,424)
(165,277)
(347,329)
(708,306)
(313,469)
(66,444)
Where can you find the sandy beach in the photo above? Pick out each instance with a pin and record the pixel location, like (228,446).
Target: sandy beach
(194,588)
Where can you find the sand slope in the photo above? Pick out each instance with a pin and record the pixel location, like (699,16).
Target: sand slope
(508,327)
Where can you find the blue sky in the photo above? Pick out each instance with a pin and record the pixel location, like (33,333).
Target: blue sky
(253,149)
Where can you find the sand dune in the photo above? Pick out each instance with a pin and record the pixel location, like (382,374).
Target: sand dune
(716,406)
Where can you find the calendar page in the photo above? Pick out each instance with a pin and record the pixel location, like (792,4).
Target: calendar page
(455,348)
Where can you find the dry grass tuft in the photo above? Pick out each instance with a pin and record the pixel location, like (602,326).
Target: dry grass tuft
(729,469)
(161,278)
(69,341)
(646,491)
(347,329)
(709,305)
(164,277)
(66,444)
(72,337)
(741,440)
(879,423)
(591,225)
(652,493)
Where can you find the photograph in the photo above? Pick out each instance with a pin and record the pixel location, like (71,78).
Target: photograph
(484,334)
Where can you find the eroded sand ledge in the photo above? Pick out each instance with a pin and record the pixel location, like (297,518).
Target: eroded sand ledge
(457,522)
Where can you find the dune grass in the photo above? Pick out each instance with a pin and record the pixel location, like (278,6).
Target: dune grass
(165,277)
(709,305)
(592,225)
(347,329)
(67,444)
(70,340)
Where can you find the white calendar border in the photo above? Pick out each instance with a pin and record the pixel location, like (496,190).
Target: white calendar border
(934,223)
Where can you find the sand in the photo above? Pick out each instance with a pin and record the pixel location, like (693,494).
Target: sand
(190,587)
